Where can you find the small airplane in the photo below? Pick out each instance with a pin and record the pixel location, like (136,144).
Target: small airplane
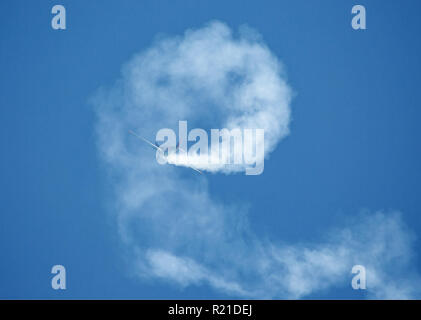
(154,145)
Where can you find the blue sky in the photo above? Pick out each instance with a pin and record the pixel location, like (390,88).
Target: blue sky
(353,144)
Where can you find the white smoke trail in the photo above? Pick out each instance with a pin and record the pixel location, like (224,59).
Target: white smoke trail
(174,228)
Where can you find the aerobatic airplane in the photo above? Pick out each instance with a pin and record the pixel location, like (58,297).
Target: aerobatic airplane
(155,145)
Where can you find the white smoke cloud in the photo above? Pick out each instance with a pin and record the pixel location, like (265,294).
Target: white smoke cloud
(174,228)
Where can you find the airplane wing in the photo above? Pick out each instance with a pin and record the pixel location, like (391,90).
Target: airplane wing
(145,140)
(191,167)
